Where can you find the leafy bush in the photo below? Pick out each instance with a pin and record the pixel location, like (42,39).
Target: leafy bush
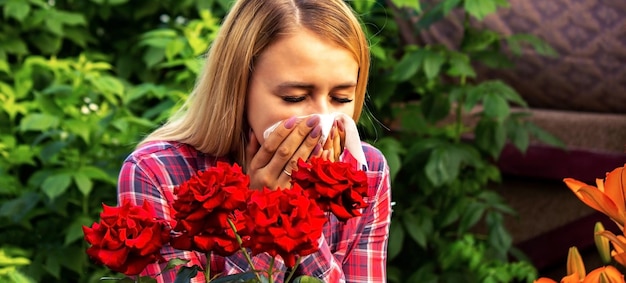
(447,225)
(82,81)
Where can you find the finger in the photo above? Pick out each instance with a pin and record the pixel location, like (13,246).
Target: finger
(251,148)
(306,149)
(266,151)
(337,149)
(325,155)
(342,135)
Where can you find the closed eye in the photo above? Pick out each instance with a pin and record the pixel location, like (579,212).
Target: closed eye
(342,99)
(293,99)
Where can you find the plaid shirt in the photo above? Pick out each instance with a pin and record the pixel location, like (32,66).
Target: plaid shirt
(354,251)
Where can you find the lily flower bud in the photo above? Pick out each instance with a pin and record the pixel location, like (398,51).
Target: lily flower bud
(602,243)
(575,263)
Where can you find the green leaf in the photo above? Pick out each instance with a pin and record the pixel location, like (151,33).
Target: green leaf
(418,226)
(72,19)
(75,229)
(545,136)
(83,182)
(471,214)
(55,185)
(493,59)
(98,174)
(108,84)
(14,45)
(16,209)
(48,105)
(432,64)
(480,8)
(79,127)
(460,66)
(499,237)
(412,4)
(5,67)
(53,24)
(515,42)
(173,48)
(495,106)
(173,263)
(239,277)
(22,154)
(17,9)
(391,149)
(408,65)
(50,150)
(490,136)
(153,56)
(448,5)
(396,240)
(307,279)
(435,106)
(479,40)
(53,265)
(442,166)
(185,273)
(519,136)
(38,122)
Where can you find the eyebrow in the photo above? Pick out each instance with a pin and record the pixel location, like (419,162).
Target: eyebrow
(307,86)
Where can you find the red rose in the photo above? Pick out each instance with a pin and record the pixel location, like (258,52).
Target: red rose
(283,222)
(127,238)
(336,186)
(215,235)
(203,205)
(223,186)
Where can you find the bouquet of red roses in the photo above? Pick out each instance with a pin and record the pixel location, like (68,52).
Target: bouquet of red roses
(217,213)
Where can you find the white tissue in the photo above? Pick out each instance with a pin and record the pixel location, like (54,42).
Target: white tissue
(352,142)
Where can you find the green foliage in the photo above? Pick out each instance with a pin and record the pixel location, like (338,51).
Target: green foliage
(448,129)
(75,97)
(82,81)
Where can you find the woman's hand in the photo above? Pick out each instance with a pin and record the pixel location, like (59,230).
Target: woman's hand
(270,165)
(333,147)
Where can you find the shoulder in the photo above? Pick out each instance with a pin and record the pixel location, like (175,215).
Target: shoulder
(161,150)
(375,159)
(167,162)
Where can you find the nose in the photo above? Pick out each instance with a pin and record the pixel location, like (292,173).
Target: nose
(320,105)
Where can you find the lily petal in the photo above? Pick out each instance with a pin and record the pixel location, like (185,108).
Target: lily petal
(597,200)
(614,186)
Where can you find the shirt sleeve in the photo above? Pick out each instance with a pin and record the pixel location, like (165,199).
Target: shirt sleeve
(367,261)
(139,184)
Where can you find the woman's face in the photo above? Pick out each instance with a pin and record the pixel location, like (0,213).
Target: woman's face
(301,74)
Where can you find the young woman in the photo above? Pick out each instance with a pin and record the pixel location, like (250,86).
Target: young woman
(273,61)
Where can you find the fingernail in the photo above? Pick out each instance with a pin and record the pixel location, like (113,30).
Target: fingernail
(316,132)
(317,149)
(290,122)
(340,126)
(313,120)
(332,132)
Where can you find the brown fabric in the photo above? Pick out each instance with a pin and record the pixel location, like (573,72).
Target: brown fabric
(590,37)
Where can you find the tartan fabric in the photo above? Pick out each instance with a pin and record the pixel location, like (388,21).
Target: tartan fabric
(354,251)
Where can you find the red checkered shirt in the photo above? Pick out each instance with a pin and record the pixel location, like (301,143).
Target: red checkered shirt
(354,251)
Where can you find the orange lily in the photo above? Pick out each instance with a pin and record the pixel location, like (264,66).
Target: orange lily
(575,266)
(619,246)
(607,197)
(575,269)
(544,280)
(606,274)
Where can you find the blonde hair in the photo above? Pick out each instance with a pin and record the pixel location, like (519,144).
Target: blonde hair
(213,118)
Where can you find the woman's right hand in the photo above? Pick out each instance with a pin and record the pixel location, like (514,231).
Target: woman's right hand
(270,164)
